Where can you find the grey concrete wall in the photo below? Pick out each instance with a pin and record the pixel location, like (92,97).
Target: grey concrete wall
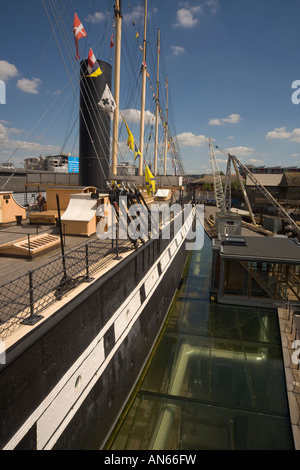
(17,182)
(159,180)
(53,178)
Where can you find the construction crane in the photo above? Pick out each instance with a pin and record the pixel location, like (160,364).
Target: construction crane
(223,197)
(264,192)
(227,188)
(235,164)
(222,206)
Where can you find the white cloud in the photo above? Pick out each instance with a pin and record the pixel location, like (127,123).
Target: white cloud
(187,139)
(282,133)
(212,6)
(215,122)
(241,151)
(134,116)
(189,16)
(8,143)
(29,86)
(138,12)
(96,18)
(254,161)
(33,147)
(7,70)
(278,133)
(231,119)
(5,131)
(177,50)
(57,93)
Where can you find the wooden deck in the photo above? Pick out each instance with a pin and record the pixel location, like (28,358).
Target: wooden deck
(30,289)
(12,267)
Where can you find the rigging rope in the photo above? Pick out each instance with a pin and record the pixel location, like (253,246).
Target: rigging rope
(132,67)
(63,58)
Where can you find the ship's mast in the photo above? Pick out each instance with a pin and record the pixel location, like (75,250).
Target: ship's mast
(144,71)
(118,25)
(166,127)
(157,105)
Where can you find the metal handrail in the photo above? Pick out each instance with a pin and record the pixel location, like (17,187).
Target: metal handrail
(41,287)
(38,292)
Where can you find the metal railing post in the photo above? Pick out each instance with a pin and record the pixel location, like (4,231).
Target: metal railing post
(32,319)
(31,297)
(87,277)
(117,257)
(29,253)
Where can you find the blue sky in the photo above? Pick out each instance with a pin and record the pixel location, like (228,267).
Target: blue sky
(231,65)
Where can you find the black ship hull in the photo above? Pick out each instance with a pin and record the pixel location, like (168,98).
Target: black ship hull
(65,384)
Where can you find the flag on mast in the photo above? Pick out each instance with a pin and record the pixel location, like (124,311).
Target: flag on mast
(92,70)
(130,140)
(150,181)
(107,102)
(137,152)
(79,32)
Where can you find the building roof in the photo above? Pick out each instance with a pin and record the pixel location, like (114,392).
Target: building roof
(270,169)
(209,179)
(276,249)
(291,179)
(265,180)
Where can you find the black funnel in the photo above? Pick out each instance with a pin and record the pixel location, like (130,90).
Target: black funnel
(94,128)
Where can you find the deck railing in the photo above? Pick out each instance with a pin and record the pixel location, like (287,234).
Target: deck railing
(23,299)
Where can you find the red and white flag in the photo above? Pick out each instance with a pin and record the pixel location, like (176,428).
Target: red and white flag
(79,32)
(91,61)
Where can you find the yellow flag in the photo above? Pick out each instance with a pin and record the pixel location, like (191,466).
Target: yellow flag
(97,73)
(150,181)
(137,152)
(130,140)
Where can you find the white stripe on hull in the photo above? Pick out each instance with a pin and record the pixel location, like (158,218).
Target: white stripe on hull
(57,410)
